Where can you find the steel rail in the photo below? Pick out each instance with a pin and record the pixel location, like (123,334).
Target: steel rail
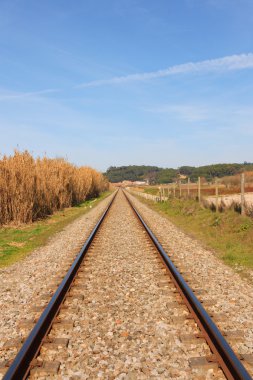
(21,364)
(230,364)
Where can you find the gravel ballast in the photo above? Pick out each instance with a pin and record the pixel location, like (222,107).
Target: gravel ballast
(130,324)
(227,296)
(25,282)
(123,319)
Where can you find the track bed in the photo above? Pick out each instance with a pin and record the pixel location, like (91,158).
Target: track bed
(123,317)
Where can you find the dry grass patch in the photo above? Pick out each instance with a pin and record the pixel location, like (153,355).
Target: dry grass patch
(17,242)
(228,234)
(31,189)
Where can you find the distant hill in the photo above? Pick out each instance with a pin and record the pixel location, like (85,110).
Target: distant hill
(130,173)
(155,174)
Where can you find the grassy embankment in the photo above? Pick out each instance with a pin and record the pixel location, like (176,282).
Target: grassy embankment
(17,242)
(152,190)
(229,234)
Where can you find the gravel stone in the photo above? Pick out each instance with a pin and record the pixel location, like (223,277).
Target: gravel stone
(122,318)
(232,295)
(24,283)
(125,328)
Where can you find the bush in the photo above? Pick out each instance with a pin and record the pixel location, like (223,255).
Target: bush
(34,188)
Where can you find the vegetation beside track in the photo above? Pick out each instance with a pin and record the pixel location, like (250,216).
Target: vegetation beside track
(33,188)
(229,234)
(151,190)
(158,175)
(17,242)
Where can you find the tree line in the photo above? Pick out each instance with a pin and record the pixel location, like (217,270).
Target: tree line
(154,174)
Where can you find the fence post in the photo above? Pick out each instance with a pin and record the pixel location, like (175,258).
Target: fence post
(199,190)
(216,195)
(160,194)
(174,190)
(188,187)
(180,188)
(243,193)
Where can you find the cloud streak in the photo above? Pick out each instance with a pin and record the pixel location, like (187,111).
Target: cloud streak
(185,112)
(21,95)
(228,63)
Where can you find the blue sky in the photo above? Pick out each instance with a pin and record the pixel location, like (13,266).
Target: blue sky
(121,82)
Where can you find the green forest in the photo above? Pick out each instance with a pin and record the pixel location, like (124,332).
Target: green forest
(154,174)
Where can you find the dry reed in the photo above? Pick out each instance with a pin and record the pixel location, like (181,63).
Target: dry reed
(34,188)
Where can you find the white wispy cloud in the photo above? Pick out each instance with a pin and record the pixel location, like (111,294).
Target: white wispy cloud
(185,112)
(233,62)
(9,95)
(229,117)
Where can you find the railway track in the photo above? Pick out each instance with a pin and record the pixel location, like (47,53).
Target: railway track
(124,311)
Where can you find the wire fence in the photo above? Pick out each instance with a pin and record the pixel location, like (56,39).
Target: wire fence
(216,196)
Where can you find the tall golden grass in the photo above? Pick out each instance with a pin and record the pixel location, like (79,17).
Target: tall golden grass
(34,188)
(234,181)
